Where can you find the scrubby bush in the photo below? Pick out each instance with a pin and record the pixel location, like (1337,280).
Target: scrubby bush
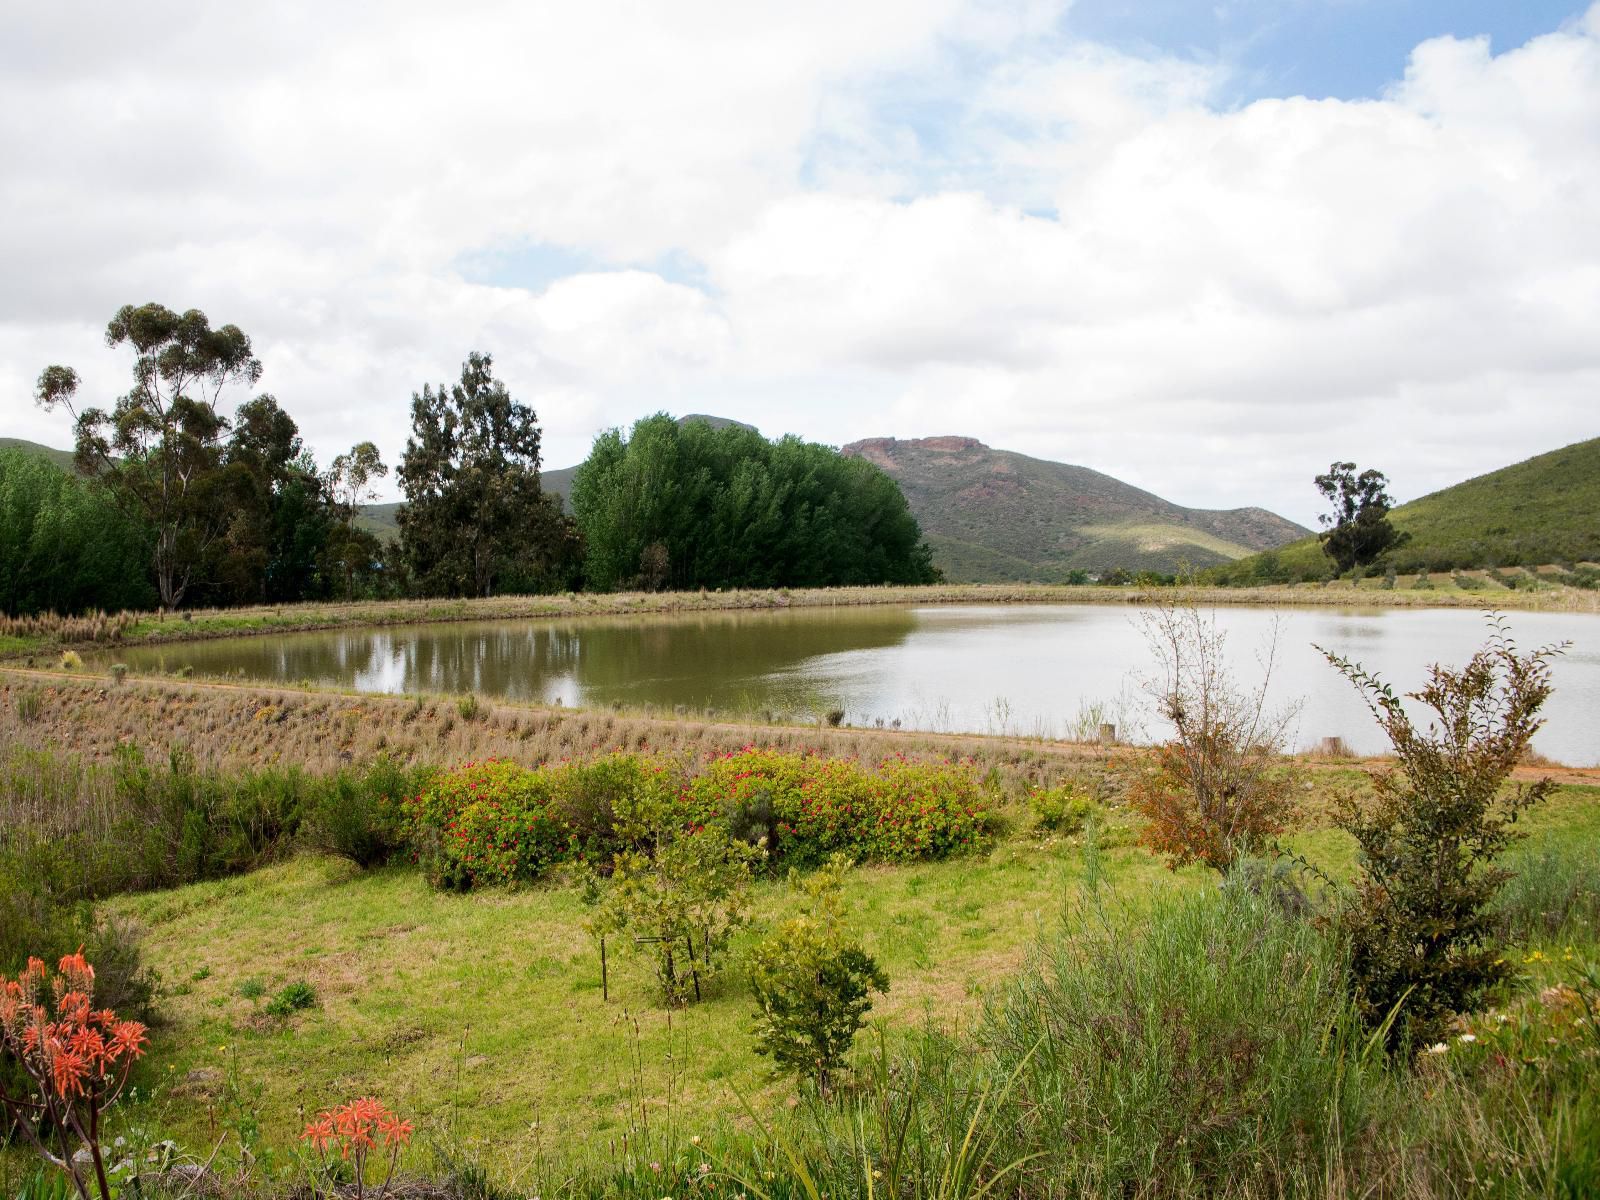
(1420,923)
(812,981)
(489,822)
(899,811)
(30,704)
(1218,790)
(1061,809)
(359,816)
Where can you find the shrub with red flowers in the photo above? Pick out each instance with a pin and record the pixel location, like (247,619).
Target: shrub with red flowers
(899,811)
(353,1131)
(497,822)
(488,822)
(76,1059)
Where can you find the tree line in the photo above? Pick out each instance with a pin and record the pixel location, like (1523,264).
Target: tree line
(696,505)
(175,503)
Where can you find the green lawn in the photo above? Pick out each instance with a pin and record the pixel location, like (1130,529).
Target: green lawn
(484,1011)
(492,1001)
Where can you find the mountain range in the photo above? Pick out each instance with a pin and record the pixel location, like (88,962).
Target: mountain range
(994,515)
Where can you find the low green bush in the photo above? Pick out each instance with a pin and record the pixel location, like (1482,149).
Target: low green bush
(358,816)
(1061,809)
(901,810)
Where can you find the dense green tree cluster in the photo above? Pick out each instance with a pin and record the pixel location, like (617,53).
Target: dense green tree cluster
(175,502)
(692,505)
(64,547)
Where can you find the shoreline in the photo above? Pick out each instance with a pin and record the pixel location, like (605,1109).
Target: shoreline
(23,637)
(228,724)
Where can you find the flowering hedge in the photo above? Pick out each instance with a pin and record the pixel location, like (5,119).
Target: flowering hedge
(497,822)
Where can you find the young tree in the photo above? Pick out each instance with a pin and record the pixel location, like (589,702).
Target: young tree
(474,511)
(159,450)
(812,980)
(1218,789)
(1419,925)
(1358,529)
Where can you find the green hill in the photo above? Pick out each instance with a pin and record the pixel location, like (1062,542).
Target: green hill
(1545,509)
(62,458)
(993,515)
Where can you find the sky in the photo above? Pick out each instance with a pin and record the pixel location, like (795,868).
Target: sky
(1204,247)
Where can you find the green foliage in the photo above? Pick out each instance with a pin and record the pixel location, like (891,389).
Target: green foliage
(1358,530)
(1061,809)
(497,822)
(812,980)
(1537,511)
(1552,895)
(359,817)
(692,505)
(489,822)
(1420,924)
(65,547)
(159,451)
(292,998)
(900,811)
(679,906)
(475,520)
(1203,1046)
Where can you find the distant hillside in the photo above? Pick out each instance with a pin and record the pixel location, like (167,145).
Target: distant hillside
(62,458)
(1545,509)
(996,515)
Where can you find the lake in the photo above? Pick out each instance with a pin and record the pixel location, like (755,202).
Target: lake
(1032,670)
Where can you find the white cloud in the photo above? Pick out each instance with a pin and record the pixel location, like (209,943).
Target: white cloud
(908,217)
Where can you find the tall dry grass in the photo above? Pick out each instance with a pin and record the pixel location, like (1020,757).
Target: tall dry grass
(94,626)
(230,726)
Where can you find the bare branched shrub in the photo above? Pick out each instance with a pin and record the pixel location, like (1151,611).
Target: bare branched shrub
(1219,788)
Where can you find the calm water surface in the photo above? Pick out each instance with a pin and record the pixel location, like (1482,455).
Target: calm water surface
(1035,670)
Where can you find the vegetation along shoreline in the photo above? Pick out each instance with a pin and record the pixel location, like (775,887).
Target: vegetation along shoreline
(21,637)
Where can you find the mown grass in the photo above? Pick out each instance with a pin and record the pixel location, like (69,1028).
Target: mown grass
(491,1003)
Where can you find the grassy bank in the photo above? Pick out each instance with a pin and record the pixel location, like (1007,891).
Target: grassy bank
(24,636)
(482,1016)
(1059,1001)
